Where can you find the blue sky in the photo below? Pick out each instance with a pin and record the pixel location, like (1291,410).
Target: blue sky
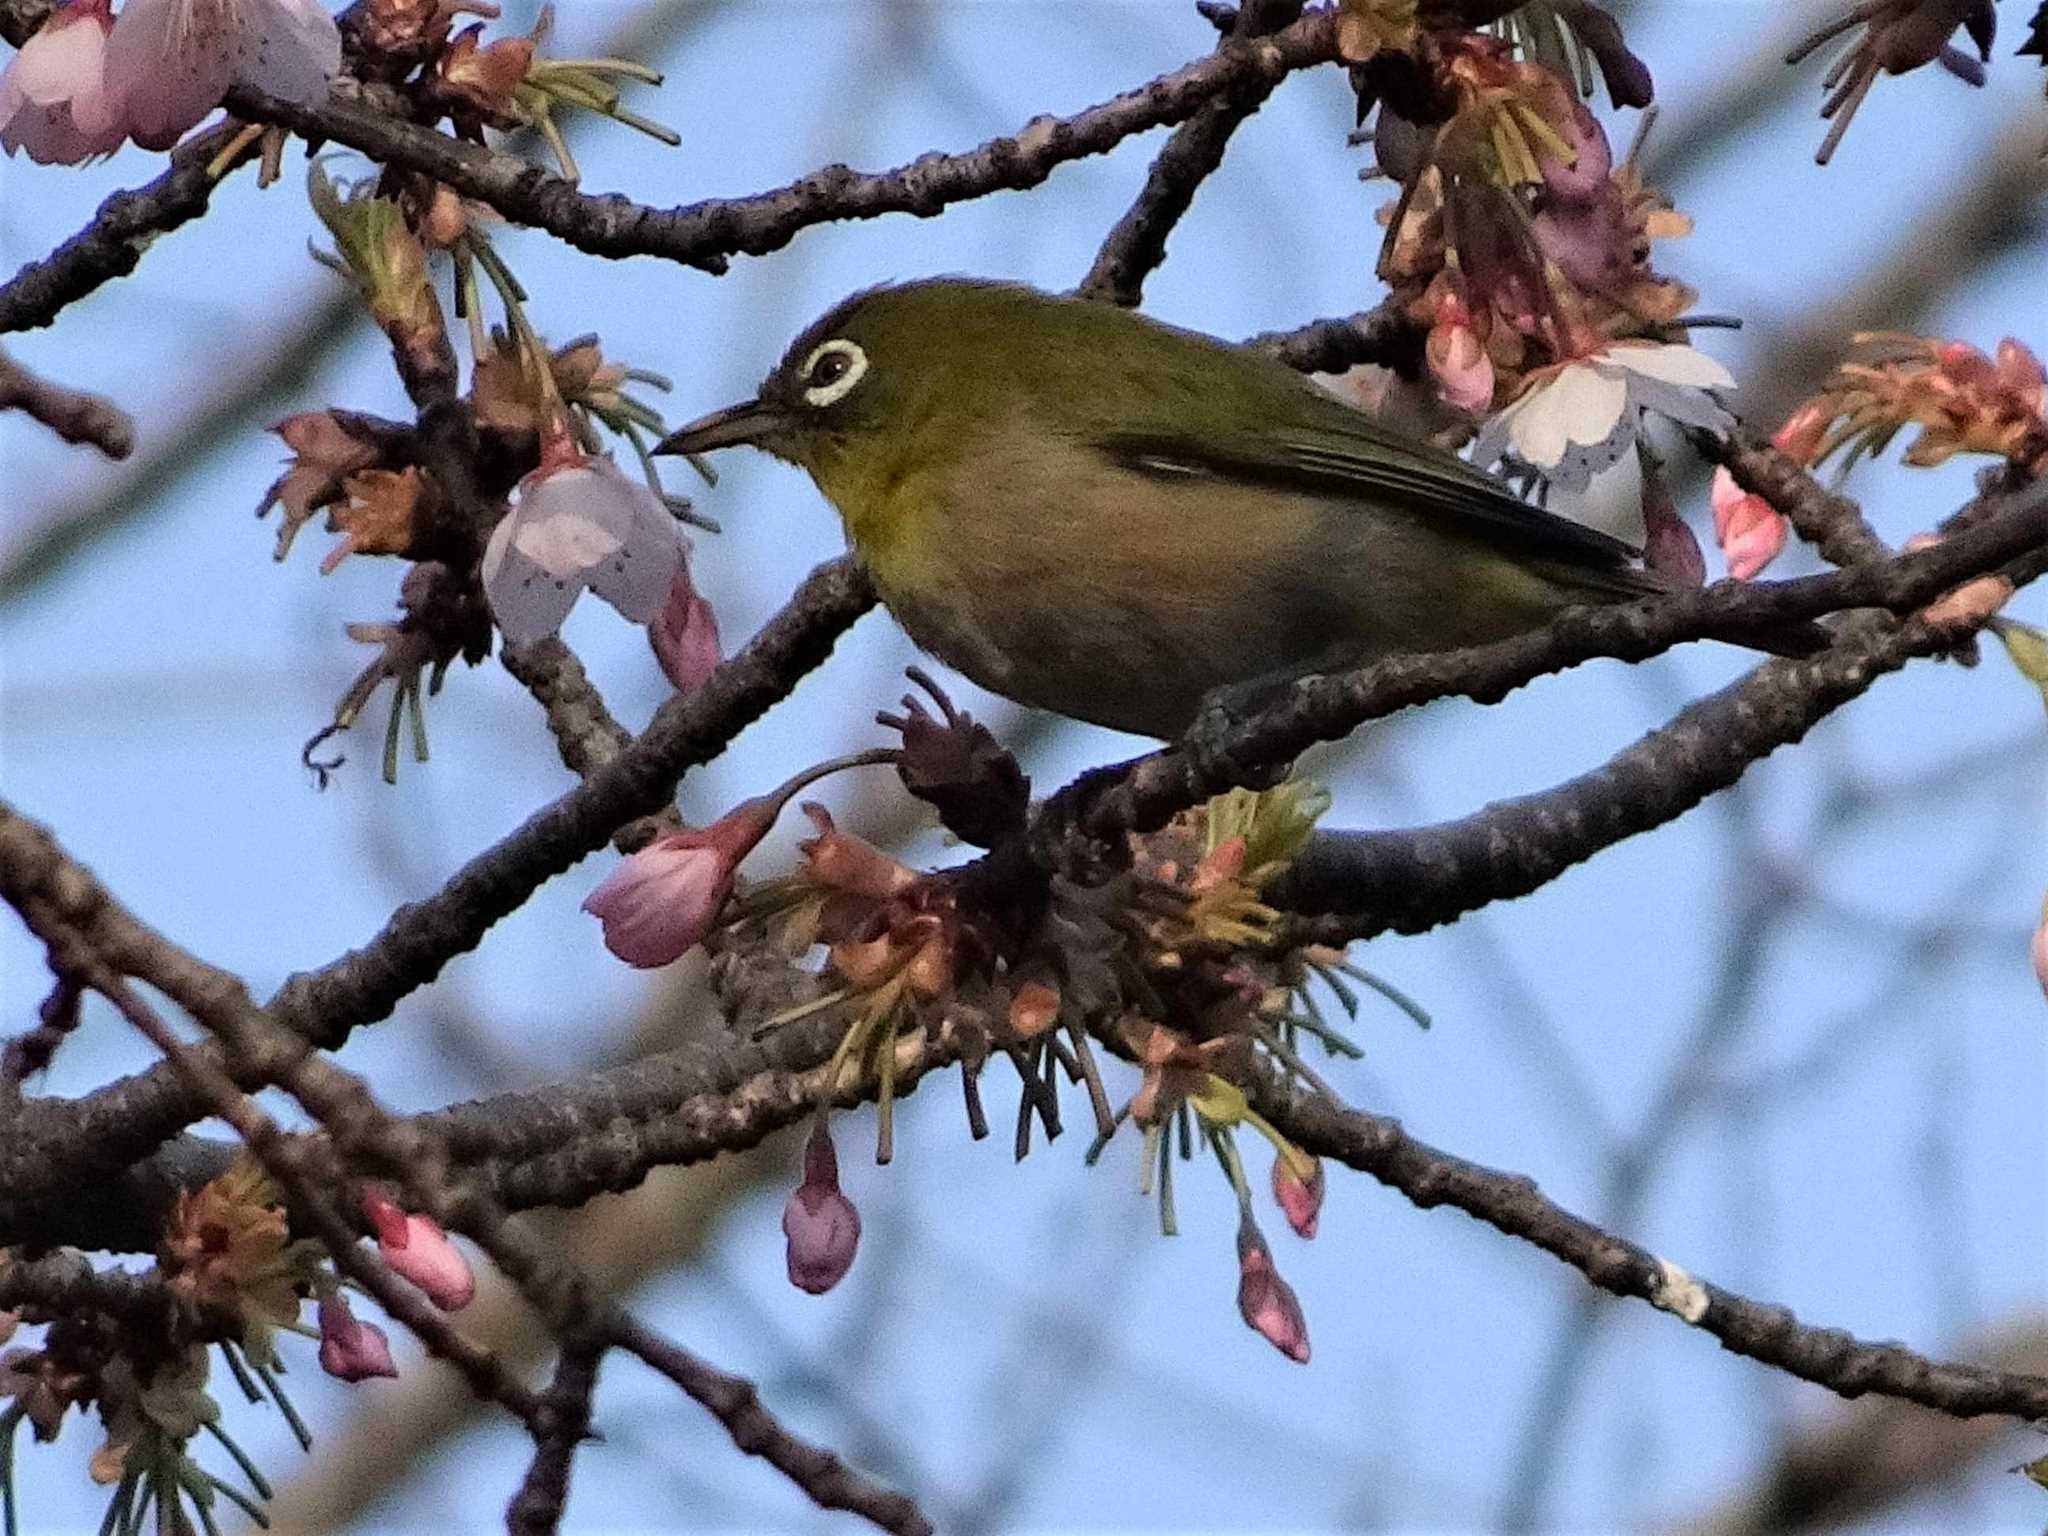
(154,695)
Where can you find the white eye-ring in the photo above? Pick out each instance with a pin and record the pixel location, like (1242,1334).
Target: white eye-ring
(831,371)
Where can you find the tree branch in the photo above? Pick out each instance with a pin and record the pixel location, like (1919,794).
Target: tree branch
(1828,1357)
(71,414)
(49,1145)
(1137,245)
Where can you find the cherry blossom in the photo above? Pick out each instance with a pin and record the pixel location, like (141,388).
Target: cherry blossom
(171,62)
(53,101)
(578,522)
(1581,416)
(663,900)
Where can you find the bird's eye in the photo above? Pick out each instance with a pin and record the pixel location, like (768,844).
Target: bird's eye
(831,371)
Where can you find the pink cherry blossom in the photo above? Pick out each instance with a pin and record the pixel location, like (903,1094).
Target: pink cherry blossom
(350,1349)
(822,1225)
(417,1248)
(665,898)
(1750,531)
(1457,360)
(1804,433)
(53,101)
(579,522)
(1300,1200)
(1268,1302)
(685,634)
(1669,547)
(2040,950)
(171,62)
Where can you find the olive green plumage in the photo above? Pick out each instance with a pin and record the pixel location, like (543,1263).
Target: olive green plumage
(1098,514)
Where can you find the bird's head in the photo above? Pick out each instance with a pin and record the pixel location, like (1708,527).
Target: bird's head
(861,383)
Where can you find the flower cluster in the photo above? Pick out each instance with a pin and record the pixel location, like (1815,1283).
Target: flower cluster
(1961,400)
(89,81)
(1522,247)
(514,511)
(1178,963)
(235,1277)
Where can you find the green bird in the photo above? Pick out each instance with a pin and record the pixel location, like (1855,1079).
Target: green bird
(1089,511)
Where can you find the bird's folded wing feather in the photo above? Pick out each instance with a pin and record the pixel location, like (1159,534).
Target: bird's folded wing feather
(1344,458)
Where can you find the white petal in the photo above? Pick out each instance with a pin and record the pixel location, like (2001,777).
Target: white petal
(564,521)
(1693,407)
(635,580)
(290,48)
(528,601)
(636,577)
(169,63)
(1580,405)
(1672,363)
(1492,441)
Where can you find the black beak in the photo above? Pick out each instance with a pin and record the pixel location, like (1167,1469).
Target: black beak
(747,422)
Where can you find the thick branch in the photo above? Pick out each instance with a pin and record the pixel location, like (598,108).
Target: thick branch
(1083,825)
(112,244)
(88,934)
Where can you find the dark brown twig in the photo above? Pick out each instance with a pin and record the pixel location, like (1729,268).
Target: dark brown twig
(1137,245)
(49,1145)
(536,1509)
(1828,1357)
(72,414)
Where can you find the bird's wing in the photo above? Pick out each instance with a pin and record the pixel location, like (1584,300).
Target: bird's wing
(1358,458)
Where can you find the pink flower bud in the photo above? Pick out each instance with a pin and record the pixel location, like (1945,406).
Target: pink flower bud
(685,634)
(1801,437)
(1458,362)
(1749,529)
(1669,547)
(821,1224)
(1300,1200)
(663,900)
(1268,1302)
(417,1248)
(349,1349)
(2041,950)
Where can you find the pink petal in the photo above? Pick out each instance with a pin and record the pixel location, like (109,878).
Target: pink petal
(290,48)
(1754,538)
(1460,366)
(350,1349)
(661,901)
(685,635)
(169,63)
